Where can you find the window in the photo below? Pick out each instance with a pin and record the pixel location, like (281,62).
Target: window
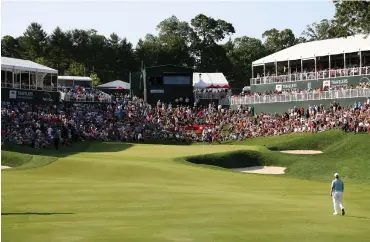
(176,80)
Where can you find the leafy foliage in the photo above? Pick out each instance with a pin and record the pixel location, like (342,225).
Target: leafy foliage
(199,44)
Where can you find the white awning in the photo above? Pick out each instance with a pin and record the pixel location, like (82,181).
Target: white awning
(210,78)
(314,49)
(118,84)
(75,78)
(24,65)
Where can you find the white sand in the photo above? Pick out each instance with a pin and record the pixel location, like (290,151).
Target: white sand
(262,170)
(5,167)
(302,152)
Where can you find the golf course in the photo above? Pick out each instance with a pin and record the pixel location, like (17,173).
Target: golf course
(108,191)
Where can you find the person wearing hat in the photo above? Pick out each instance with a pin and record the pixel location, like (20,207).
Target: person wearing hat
(336,193)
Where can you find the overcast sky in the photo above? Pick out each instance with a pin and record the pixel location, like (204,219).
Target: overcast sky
(135,19)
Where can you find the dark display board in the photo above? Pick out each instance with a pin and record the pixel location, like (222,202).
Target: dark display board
(26,95)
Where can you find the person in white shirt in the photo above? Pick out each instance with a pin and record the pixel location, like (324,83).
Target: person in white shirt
(336,193)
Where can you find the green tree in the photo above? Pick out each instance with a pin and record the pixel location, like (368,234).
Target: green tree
(10,47)
(352,17)
(210,56)
(243,52)
(59,49)
(33,42)
(319,31)
(95,79)
(42,61)
(276,40)
(76,69)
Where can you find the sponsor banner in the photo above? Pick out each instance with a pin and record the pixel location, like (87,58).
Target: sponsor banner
(341,82)
(326,84)
(289,86)
(279,88)
(157,91)
(9,94)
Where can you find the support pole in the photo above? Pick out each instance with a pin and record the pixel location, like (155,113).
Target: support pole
(289,78)
(344,55)
(13,78)
(264,73)
(315,68)
(329,62)
(144,82)
(252,80)
(276,65)
(301,75)
(360,54)
(29,80)
(130,84)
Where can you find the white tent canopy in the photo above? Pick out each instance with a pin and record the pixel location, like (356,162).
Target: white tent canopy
(75,78)
(209,79)
(24,65)
(314,49)
(115,85)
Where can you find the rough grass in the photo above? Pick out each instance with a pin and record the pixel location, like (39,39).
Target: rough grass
(129,192)
(19,161)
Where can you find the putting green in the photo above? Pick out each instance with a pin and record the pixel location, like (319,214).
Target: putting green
(131,192)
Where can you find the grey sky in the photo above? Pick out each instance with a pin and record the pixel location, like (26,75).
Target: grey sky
(135,19)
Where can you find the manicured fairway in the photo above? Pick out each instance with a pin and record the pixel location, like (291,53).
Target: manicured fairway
(142,193)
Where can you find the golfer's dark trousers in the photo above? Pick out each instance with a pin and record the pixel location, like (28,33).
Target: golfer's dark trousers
(56,143)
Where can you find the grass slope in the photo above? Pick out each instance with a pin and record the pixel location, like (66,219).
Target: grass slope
(138,193)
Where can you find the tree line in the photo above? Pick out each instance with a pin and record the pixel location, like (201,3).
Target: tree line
(196,44)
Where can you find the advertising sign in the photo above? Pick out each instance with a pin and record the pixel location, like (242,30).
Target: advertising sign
(9,94)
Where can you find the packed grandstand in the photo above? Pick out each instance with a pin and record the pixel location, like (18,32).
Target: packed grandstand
(333,72)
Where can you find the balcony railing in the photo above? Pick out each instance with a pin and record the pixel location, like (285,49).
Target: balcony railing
(334,94)
(311,76)
(210,95)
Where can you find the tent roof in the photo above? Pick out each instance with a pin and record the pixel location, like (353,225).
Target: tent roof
(210,78)
(115,84)
(25,65)
(319,48)
(185,67)
(75,78)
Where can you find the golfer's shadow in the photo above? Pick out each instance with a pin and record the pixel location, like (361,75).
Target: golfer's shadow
(34,213)
(356,217)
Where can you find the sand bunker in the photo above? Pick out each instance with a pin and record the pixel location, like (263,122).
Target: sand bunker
(5,167)
(302,152)
(275,170)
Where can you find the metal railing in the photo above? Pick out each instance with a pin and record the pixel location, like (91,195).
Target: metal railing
(26,86)
(307,76)
(334,94)
(67,97)
(210,95)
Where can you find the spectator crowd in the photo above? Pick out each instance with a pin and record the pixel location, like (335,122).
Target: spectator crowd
(80,93)
(311,74)
(362,85)
(131,119)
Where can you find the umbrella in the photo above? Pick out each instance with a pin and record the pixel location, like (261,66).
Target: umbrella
(226,86)
(120,87)
(212,86)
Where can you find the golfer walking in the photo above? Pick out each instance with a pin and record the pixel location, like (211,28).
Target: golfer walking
(336,192)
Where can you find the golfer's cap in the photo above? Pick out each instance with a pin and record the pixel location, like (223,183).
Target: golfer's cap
(336,174)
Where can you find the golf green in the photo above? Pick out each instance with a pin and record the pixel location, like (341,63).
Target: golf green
(146,192)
